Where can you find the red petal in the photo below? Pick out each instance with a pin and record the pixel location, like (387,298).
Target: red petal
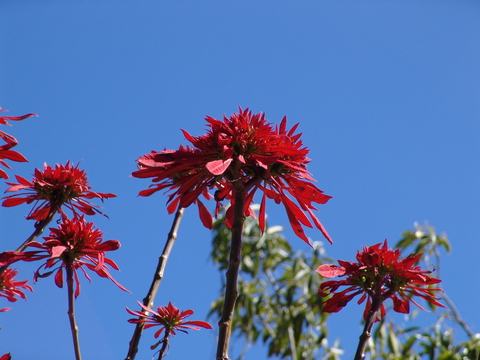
(205,215)
(330,271)
(295,210)
(15,118)
(320,226)
(148,192)
(56,251)
(13,155)
(188,136)
(401,306)
(283,125)
(218,167)
(173,205)
(14,202)
(297,228)
(23,181)
(59,278)
(261,215)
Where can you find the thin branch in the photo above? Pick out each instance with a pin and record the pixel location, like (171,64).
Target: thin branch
(39,228)
(71,311)
(456,315)
(367,330)
(164,345)
(225,323)
(157,279)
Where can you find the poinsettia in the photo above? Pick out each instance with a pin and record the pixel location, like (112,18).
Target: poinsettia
(54,187)
(10,288)
(76,244)
(243,148)
(379,274)
(169,318)
(10,142)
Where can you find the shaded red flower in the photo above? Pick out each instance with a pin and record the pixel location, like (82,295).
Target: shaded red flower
(169,318)
(379,274)
(244,148)
(5,152)
(52,188)
(78,244)
(10,288)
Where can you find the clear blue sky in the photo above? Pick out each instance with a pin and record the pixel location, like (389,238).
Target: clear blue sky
(387,95)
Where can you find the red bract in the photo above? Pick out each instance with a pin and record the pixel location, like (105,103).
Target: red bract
(52,188)
(244,148)
(9,257)
(78,244)
(5,152)
(379,274)
(169,318)
(11,289)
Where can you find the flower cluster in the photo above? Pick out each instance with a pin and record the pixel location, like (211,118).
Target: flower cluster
(244,148)
(10,288)
(76,243)
(52,188)
(10,142)
(169,318)
(379,274)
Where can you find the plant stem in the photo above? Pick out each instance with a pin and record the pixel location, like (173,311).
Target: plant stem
(157,279)
(367,330)
(39,228)
(225,323)
(456,315)
(164,345)
(71,311)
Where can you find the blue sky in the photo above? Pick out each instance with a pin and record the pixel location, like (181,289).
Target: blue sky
(386,93)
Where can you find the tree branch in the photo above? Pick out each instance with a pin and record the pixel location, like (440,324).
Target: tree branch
(71,311)
(157,279)
(225,323)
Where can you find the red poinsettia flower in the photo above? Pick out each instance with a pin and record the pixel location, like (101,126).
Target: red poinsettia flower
(169,318)
(10,288)
(244,148)
(5,152)
(379,274)
(52,188)
(78,244)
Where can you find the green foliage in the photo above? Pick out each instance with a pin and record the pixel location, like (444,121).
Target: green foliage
(277,301)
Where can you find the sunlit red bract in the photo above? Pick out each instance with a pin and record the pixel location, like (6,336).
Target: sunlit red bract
(379,274)
(54,187)
(78,244)
(5,150)
(169,318)
(244,148)
(10,288)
